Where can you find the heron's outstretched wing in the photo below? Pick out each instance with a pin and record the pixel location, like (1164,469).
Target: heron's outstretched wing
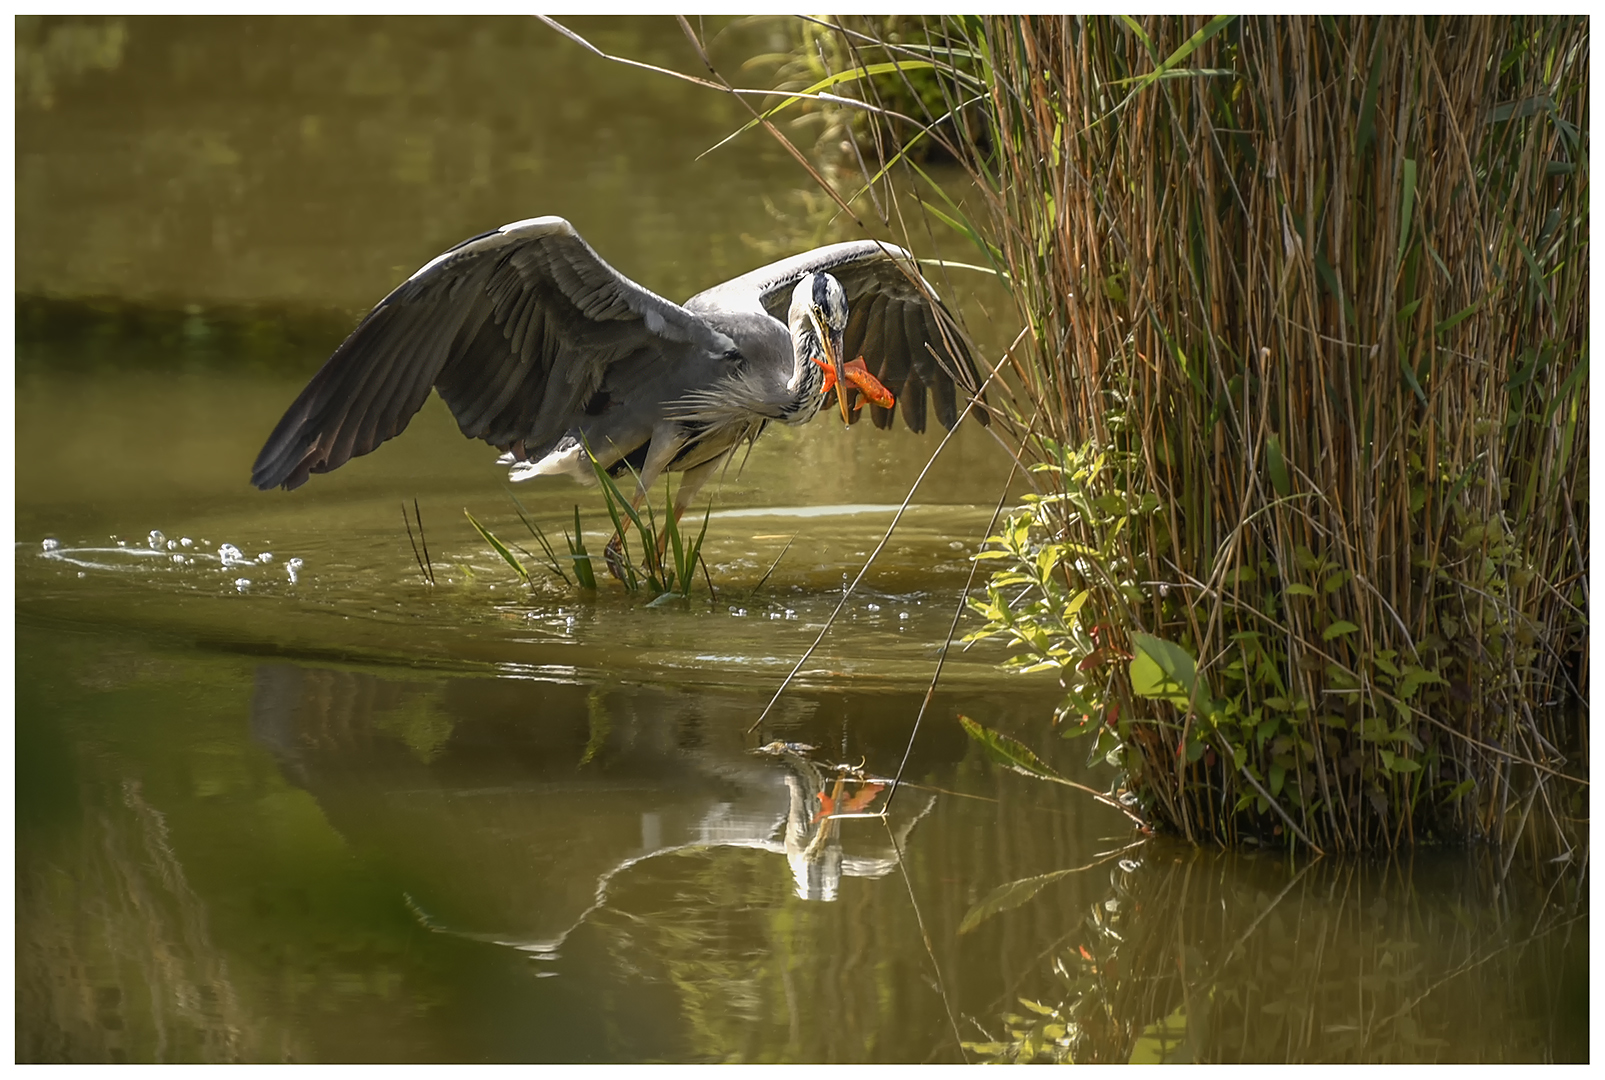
(895,320)
(517,329)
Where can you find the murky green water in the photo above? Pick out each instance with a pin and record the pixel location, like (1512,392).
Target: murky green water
(342,815)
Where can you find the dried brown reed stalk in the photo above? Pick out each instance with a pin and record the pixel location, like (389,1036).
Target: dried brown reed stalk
(1321,286)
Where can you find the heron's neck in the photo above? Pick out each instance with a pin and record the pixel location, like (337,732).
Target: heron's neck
(806,377)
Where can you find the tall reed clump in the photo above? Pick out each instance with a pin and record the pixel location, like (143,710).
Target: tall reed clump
(1307,397)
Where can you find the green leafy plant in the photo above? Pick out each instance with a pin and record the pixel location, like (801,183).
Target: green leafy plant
(673,578)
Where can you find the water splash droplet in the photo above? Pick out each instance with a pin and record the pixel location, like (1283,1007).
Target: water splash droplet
(292,567)
(82,574)
(172,545)
(51,544)
(872,607)
(229,554)
(242,583)
(186,541)
(265,557)
(902,614)
(178,559)
(156,540)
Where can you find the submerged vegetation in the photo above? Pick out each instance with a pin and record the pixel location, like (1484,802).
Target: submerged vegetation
(1304,397)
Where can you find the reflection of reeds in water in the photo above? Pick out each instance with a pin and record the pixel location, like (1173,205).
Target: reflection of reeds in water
(1195,957)
(115,961)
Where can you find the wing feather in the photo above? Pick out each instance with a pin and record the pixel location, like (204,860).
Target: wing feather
(515,328)
(900,329)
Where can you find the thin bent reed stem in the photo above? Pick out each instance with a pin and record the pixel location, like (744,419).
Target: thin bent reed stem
(873,555)
(941,658)
(925,938)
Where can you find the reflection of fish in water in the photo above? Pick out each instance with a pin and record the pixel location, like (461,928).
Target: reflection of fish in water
(812,839)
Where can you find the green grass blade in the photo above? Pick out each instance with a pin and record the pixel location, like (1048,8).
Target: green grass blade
(582,558)
(1406,205)
(1142,36)
(497,546)
(553,562)
(611,496)
(677,546)
(851,75)
(1186,49)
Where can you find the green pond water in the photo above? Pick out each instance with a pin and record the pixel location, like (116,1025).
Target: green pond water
(278,798)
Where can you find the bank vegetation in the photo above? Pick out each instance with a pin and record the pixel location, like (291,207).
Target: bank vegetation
(1304,396)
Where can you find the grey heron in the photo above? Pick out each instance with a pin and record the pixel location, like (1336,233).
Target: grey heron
(543,350)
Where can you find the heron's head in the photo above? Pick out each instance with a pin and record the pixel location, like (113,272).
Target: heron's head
(818,320)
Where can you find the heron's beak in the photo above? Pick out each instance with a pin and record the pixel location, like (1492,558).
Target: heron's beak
(831,345)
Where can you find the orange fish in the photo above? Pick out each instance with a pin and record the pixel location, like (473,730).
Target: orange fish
(857,373)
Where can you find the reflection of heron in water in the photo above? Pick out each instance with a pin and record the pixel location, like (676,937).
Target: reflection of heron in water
(819,798)
(364,747)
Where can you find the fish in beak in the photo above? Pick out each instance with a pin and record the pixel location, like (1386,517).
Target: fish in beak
(831,342)
(840,375)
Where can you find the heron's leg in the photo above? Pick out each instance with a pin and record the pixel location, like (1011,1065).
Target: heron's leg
(614,552)
(666,443)
(691,482)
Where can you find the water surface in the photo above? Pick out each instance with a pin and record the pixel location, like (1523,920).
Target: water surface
(341,814)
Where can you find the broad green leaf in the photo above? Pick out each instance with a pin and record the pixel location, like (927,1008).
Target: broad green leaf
(1415,678)
(1010,752)
(1163,1042)
(1276,466)
(1162,670)
(1338,629)
(1296,589)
